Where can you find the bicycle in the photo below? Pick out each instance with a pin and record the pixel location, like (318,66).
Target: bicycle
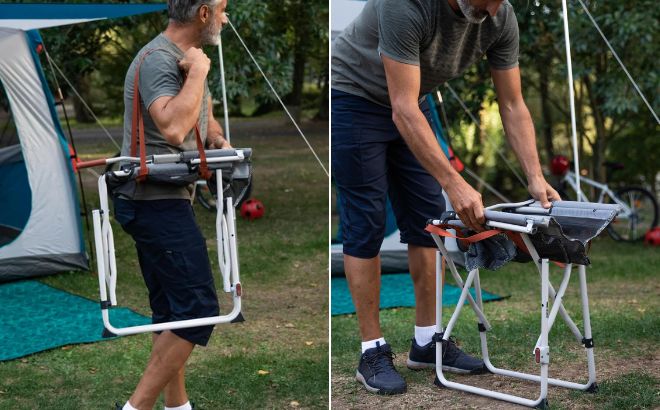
(639,208)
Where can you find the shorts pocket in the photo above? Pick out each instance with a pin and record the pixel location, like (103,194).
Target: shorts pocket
(347,164)
(189,268)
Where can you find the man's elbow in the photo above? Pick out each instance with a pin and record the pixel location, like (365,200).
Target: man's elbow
(401,114)
(512,106)
(173,134)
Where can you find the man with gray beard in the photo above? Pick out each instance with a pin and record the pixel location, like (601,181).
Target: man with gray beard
(383,64)
(174,101)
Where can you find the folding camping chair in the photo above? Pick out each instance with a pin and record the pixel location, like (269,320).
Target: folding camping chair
(560,234)
(232,176)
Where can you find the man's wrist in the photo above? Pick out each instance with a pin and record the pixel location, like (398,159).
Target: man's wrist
(217,141)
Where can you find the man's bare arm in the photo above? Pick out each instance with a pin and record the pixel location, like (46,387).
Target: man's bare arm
(519,130)
(215,136)
(403,82)
(176,116)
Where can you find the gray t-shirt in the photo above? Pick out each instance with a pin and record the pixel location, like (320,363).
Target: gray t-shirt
(426,33)
(159,76)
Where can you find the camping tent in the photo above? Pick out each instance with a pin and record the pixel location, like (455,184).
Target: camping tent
(40,226)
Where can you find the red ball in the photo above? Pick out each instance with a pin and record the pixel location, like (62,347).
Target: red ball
(559,165)
(652,237)
(252,209)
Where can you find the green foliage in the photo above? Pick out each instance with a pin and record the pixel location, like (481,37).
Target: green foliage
(96,55)
(250,17)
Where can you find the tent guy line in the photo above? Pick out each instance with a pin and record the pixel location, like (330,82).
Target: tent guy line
(616,56)
(82,100)
(278,97)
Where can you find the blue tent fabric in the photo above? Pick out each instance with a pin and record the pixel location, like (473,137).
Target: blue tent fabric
(396,291)
(55,11)
(35,317)
(14,179)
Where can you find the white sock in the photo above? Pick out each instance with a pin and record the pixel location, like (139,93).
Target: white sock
(185,406)
(424,334)
(370,344)
(128,406)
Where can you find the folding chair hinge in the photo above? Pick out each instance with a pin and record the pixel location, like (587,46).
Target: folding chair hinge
(542,355)
(543,405)
(105,304)
(481,327)
(593,388)
(437,337)
(588,343)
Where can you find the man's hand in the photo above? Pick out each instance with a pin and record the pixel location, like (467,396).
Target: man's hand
(540,190)
(194,59)
(220,143)
(467,204)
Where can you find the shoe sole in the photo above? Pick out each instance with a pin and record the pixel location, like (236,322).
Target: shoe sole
(371,389)
(413,365)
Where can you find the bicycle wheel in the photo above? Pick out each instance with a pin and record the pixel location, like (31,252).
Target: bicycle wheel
(204,196)
(643,215)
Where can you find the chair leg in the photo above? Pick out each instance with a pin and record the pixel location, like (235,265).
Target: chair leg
(588,340)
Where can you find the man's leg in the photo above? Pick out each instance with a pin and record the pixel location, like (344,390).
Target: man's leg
(363,277)
(168,357)
(175,390)
(421,261)
(417,197)
(360,138)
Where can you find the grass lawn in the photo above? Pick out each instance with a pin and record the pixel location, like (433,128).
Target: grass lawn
(625,319)
(278,358)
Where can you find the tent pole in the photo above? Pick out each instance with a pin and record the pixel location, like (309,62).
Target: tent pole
(224,89)
(571,96)
(85,212)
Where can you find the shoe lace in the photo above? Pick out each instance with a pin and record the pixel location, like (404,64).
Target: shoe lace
(381,361)
(449,348)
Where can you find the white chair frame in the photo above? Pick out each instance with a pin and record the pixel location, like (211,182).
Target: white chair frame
(227,259)
(541,351)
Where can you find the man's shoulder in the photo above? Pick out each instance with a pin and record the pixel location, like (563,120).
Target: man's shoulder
(160,51)
(505,15)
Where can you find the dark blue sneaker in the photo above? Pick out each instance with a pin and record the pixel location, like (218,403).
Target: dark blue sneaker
(453,359)
(377,373)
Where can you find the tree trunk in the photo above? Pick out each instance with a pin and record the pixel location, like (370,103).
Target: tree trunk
(298,80)
(81,113)
(325,99)
(601,138)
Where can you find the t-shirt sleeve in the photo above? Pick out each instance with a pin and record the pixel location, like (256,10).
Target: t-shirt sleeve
(159,77)
(503,54)
(400,30)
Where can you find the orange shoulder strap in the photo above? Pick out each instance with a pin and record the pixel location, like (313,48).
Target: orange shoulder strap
(137,130)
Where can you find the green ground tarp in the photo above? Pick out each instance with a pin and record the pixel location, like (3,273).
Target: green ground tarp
(396,291)
(36,317)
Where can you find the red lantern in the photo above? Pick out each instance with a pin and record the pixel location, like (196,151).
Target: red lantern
(252,209)
(652,237)
(559,165)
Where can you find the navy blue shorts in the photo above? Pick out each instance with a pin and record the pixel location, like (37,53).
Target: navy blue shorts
(174,262)
(370,160)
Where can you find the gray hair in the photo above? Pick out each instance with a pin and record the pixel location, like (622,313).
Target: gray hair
(184,11)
